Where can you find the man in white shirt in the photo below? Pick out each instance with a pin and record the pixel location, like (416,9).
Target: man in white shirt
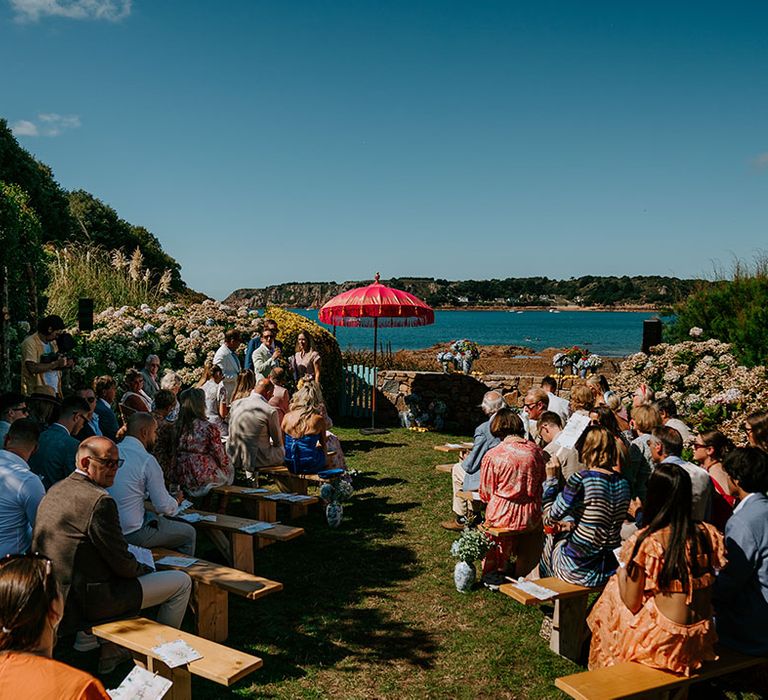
(226,358)
(20,490)
(567,458)
(140,476)
(556,404)
(668,411)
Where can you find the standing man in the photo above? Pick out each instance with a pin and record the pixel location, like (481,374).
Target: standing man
(105,388)
(267,356)
(55,456)
(150,372)
(12,408)
(40,371)
(78,529)
(20,490)
(226,358)
(141,476)
(466,472)
(254,342)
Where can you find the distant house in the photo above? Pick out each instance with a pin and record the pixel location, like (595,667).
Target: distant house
(463,300)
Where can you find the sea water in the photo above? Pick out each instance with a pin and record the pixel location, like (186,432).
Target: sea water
(608,333)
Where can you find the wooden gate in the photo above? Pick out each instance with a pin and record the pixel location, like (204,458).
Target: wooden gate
(356,394)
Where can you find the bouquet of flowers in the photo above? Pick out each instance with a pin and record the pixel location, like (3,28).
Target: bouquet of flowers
(560,361)
(471,546)
(593,362)
(446,359)
(465,349)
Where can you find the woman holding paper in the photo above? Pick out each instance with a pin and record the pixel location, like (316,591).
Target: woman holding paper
(584,520)
(30,611)
(657,609)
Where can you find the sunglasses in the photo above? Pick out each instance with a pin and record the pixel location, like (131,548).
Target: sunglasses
(20,409)
(697,445)
(109,463)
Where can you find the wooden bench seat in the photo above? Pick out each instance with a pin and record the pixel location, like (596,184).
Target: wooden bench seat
(240,550)
(569,619)
(632,680)
(296,483)
(448,468)
(212,585)
(219,664)
(449,448)
(265,508)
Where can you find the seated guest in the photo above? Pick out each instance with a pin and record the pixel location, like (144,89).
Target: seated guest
(638,470)
(20,490)
(666,447)
(643,396)
(12,407)
(91,426)
(556,404)
(43,407)
(741,588)
(511,476)
(246,383)
(605,417)
(657,609)
(709,450)
(78,529)
(171,381)
(267,356)
(255,439)
(599,387)
(582,400)
(756,428)
(135,398)
(226,358)
(613,401)
(304,431)
(200,462)
(164,403)
(566,458)
(140,477)
(280,397)
(586,515)
(306,360)
(30,611)
(105,389)
(151,376)
(55,456)
(465,475)
(216,402)
(535,403)
(668,411)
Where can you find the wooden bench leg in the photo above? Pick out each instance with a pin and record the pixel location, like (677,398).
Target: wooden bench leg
(568,627)
(180,677)
(261,510)
(291,484)
(298,510)
(212,612)
(221,543)
(242,552)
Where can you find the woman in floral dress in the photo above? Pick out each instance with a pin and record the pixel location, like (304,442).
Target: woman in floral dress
(511,478)
(200,462)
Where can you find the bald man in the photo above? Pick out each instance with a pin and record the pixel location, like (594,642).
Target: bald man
(78,529)
(141,475)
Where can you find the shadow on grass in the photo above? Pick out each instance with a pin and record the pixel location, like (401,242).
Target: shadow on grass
(353,447)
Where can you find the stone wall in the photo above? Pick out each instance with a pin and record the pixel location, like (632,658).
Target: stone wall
(461,393)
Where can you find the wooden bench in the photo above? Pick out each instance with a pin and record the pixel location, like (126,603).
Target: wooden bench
(296,483)
(265,508)
(569,619)
(239,549)
(632,680)
(451,447)
(219,664)
(448,468)
(212,585)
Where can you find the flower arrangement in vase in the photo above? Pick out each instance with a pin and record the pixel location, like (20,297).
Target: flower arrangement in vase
(471,546)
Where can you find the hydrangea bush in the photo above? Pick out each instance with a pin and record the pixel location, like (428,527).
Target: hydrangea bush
(711,389)
(471,546)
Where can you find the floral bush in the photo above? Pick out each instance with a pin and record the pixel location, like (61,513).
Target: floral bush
(711,389)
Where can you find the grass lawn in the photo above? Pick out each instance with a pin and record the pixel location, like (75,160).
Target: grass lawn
(370,610)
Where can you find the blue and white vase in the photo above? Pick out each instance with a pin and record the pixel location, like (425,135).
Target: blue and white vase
(464,576)
(334,512)
(466,366)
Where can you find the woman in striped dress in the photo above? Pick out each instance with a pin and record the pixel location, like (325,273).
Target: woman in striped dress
(583,521)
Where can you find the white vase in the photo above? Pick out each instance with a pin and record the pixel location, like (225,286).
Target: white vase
(464,576)
(334,512)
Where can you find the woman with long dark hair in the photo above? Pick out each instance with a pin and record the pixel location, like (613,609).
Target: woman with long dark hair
(657,608)
(30,611)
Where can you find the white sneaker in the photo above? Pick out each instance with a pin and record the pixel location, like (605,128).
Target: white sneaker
(85,641)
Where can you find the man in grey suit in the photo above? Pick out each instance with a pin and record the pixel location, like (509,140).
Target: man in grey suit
(255,438)
(55,456)
(466,473)
(150,373)
(741,588)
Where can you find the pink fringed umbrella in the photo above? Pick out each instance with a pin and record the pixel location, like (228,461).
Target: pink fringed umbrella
(376,305)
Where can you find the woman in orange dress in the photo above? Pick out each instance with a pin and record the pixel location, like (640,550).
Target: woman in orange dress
(511,478)
(657,609)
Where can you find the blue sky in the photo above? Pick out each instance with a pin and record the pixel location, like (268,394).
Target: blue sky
(265,142)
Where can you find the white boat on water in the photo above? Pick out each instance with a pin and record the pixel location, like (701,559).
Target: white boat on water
(554,311)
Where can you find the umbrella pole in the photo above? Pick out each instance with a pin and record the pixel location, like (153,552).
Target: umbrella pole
(373,397)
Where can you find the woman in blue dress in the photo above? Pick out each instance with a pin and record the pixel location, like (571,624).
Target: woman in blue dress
(304,429)
(583,521)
